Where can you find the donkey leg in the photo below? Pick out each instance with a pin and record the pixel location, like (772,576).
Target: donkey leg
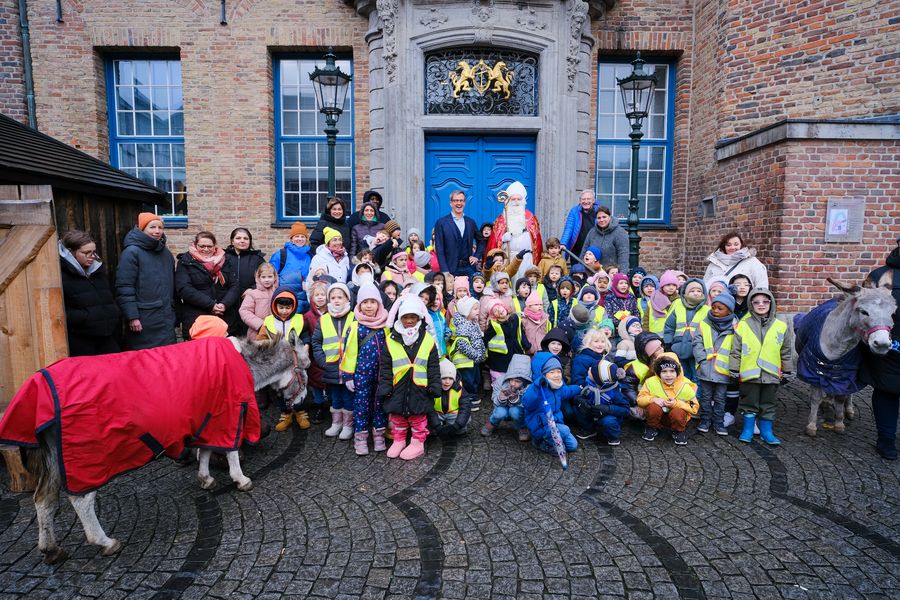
(93,531)
(234,470)
(206,480)
(849,409)
(839,404)
(827,411)
(814,401)
(46,503)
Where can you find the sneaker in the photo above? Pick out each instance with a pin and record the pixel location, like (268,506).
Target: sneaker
(488,429)
(729,420)
(584,434)
(721,431)
(649,434)
(703,427)
(524,434)
(614,442)
(680,438)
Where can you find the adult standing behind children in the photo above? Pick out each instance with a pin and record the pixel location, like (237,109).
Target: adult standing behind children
(454,238)
(610,238)
(733,257)
(380,216)
(335,217)
(579,222)
(92,316)
(145,285)
(203,283)
(242,259)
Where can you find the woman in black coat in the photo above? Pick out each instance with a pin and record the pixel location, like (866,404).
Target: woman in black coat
(241,259)
(93,320)
(145,285)
(203,282)
(335,216)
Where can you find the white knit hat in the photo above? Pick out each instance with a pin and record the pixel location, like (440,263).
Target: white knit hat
(465,306)
(448,369)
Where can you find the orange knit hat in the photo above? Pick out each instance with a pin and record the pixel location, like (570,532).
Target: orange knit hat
(298,228)
(208,326)
(145,218)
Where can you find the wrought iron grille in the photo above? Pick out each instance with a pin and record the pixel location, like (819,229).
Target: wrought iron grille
(481,81)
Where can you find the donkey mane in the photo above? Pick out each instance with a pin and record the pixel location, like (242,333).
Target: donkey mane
(267,359)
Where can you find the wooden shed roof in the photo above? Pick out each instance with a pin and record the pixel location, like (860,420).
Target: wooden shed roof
(29,156)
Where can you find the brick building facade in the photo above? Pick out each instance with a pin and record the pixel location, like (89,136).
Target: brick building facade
(775,109)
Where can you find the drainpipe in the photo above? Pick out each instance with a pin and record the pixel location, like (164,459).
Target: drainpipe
(26,63)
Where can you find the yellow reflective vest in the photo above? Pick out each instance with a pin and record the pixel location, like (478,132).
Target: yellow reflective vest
(460,360)
(686,393)
(286,328)
(721,357)
(332,342)
(452,403)
(658,324)
(682,326)
(640,369)
(401,363)
(351,346)
(498,342)
(757,356)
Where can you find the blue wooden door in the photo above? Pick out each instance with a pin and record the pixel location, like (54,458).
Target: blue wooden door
(479,165)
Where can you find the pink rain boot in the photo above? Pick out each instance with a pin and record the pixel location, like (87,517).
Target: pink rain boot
(337,419)
(361,443)
(399,442)
(416,446)
(347,429)
(378,437)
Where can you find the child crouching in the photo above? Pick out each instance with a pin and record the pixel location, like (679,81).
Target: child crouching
(508,398)
(601,401)
(668,399)
(409,378)
(452,408)
(542,401)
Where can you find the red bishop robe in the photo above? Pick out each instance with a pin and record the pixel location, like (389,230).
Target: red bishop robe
(534,230)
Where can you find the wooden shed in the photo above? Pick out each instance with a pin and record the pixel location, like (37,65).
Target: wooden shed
(48,187)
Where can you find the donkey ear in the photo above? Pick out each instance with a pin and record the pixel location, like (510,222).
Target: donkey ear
(849,290)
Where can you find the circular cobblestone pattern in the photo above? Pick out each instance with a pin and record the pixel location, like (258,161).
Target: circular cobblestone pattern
(492,518)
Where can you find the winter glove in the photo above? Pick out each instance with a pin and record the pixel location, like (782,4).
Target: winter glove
(786,378)
(447,431)
(522,253)
(598,411)
(506,237)
(350,385)
(735,377)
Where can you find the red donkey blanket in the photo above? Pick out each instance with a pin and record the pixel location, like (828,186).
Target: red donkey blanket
(117,412)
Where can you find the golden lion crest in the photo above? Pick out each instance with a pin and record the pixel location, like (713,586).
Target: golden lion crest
(482,78)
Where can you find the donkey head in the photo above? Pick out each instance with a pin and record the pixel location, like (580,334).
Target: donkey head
(871,314)
(271,362)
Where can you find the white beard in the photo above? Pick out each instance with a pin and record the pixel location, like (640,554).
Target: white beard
(515,218)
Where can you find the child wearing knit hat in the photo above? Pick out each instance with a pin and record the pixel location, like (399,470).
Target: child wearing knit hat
(547,395)
(601,401)
(451,409)
(668,399)
(712,342)
(467,349)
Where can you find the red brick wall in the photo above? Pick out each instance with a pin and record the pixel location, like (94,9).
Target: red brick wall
(227,81)
(12,79)
(659,29)
(809,59)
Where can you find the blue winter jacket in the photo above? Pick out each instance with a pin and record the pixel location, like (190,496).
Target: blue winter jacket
(582,363)
(573,225)
(298,259)
(533,403)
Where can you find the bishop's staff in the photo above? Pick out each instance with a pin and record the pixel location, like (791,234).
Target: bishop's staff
(503,196)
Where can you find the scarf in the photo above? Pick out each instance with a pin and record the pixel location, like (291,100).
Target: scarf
(379,321)
(730,260)
(622,295)
(722,324)
(337,313)
(213,264)
(338,254)
(554,386)
(409,334)
(534,315)
(659,302)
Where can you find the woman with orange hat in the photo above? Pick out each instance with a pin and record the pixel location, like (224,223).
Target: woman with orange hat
(145,285)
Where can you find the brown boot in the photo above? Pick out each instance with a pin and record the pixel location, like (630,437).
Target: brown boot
(285,422)
(302,419)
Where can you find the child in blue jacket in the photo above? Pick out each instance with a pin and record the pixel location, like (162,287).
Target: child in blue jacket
(602,402)
(548,393)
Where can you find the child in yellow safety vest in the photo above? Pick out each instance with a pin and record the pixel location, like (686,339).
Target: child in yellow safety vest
(668,399)
(452,410)
(504,338)
(654,318)
(685,315)
(760,357)
(363,346)
(467,351)
(409,378)
(328,351)
(713,341)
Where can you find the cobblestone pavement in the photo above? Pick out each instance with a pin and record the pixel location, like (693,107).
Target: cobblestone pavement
(478,518)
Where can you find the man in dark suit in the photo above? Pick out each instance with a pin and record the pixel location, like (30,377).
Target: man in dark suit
(454,239)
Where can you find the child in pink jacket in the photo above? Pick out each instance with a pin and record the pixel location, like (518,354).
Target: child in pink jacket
(257,303)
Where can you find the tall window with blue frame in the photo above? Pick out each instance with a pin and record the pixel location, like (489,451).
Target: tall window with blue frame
(301,149)
(614,145)
(146,125)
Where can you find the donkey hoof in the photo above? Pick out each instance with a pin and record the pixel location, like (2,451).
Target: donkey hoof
(849,414)
(206,483)
(811,430)
(54,556)
(246,486)
(839,428)
(112,549)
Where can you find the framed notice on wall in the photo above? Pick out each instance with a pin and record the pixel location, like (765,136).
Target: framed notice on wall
(844,220)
